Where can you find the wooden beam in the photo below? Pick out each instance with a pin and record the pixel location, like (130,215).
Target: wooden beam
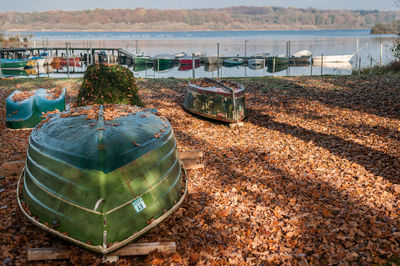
(12,168)
(35,254)
(190,155)
(192,164)
(134,249)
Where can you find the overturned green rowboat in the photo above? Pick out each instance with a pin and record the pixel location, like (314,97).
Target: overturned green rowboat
(219,100)
(25,109)
(101,176)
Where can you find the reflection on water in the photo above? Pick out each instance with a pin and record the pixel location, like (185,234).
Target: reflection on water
(187,71)
(231,44)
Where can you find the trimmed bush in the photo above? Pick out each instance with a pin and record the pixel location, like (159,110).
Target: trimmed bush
(104,84)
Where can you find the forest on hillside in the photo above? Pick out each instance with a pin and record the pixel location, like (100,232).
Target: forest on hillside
(231,18)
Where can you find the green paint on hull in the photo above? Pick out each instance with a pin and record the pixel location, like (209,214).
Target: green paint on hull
(28,113)
(142,60)
(111,165)
(13,63)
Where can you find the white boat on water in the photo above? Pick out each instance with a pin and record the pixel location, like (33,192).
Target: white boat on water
(339,65)
(179,55)
(302,53)
(256,61)
(332,58)
(262,55)
(212,60)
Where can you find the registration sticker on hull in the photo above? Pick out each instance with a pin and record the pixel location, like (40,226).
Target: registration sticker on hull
(139,205)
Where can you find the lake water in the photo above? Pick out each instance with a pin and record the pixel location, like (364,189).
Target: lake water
(231,43)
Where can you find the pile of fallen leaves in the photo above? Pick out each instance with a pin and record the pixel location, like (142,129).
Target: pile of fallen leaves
(108,84)
(23,95)
(221,84)
(312,176)
(54,93)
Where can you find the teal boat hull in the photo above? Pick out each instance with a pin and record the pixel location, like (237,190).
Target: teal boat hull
(13,63)
(28,113)
(102,183)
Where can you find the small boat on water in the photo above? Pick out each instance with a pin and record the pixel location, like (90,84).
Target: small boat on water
(30,64)
(179,55)
(101,176)
(212,67)
(220,100)
(277,60)
(13,63)
(70,61)
(261,55)
(211,60)
(14,72)
(141,67)
(142,60)
(232,62)
(300,58)
(186,67)
(164,59)
(277,67)
(256,62)
(332,58)
(24,109)
(188,60)
(339,65)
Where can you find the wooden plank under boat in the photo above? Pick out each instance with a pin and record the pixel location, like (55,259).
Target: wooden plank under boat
(101,176)
(220,100)
(25,109)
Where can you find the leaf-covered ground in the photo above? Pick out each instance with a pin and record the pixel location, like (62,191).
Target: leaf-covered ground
(313,176)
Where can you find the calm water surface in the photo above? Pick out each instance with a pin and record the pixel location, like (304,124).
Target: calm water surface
(232,43)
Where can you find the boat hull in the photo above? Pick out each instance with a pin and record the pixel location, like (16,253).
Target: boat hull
(189,61)
(332,59)
(142,60)
(133,182)
(227,107)
(13,64)
(233,63)
(28,113)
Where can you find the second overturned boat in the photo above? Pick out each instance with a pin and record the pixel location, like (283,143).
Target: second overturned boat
(220,100)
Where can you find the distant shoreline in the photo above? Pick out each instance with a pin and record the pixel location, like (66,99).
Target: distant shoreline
(194,30)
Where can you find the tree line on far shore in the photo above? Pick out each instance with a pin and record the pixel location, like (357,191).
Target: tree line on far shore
(231,18)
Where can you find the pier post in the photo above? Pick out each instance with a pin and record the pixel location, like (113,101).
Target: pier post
(273,65)
(66,50)
(359,66)
(370,66)
(381,52)
(322,63)
(218,59)
(193,67)
(245,49)
(356,52)
(264,67)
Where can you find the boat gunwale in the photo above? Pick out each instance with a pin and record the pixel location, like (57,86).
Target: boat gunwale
(237,93)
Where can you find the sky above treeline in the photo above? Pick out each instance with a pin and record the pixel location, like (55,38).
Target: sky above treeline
(41,5)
